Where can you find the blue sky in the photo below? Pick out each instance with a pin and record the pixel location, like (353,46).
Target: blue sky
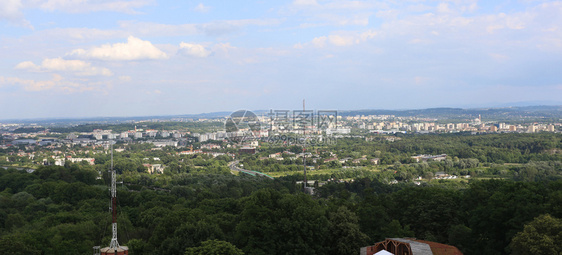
(68,58)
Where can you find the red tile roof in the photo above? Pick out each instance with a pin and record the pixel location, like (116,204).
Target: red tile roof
(441,249)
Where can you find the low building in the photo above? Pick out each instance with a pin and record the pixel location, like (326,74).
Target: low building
(90,161)
(410,246)
(275,155)
(247,150)
(24,142)
(154,168)
(439,175)
(210,146)
(59,162)
(165,143)
(330,159)
(425,158)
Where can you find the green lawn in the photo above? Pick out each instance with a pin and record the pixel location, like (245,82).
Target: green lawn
(321,171)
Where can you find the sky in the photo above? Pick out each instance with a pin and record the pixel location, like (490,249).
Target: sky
(90,58)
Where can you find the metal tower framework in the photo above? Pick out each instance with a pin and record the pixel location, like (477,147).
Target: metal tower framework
(114,247)
(304,147)
(114,244)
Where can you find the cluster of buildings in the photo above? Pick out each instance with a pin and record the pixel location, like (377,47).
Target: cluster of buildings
(425,158)
(60,161)
(315,157)
(386,124)
(99,134)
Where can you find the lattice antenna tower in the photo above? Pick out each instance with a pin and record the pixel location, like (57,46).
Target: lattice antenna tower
(114,247)
(304,145)
(114,244)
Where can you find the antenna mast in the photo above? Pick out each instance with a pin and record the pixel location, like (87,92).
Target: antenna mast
(114,244)
(304,145)
(114,247)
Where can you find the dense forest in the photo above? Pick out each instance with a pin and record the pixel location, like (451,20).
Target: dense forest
(63,210)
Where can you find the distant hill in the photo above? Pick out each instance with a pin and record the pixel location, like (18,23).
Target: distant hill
(459,113)
(496,113)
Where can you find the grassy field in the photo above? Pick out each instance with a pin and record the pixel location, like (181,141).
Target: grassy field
(321,171)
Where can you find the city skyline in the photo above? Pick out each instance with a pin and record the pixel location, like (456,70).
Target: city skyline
(68,59)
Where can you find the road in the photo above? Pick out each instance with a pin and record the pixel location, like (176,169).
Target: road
(233,167)
(29,170)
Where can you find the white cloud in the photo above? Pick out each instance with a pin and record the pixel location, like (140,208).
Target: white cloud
(134,49)
(344,39)
(499,57)
(31,85)
(81,6)
(157,29)
(202,8)
(223,47)
(353,5)
(369,34)
(194,50)
(339,40)
(10,10)
(78,67)
(125,78)
(493,27)
(76,34)
(222,27)
(330,12)
(27,65)
(57,82)
(214,28)
(361,19)
(337,5)
(319,42)
(418,41)
(387,14)
(472,7)
(305,2)
(444,8)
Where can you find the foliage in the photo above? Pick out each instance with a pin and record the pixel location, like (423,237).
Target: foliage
(214,247)
(541,236)
(197,204)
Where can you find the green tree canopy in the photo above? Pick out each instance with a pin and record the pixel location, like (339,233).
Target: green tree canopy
(541,236)
(214,247)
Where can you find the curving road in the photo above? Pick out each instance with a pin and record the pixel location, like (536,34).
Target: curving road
(233,167)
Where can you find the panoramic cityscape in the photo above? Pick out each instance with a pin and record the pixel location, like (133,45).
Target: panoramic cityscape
(285,127)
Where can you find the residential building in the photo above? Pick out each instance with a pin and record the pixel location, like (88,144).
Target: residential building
(409,246)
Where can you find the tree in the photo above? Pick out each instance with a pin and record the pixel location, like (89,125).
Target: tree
(344,234)
(287,224)
(214,247)
(14,245)
(395,229)
(461,237)
(541,236)
(373,217)
(428,175)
